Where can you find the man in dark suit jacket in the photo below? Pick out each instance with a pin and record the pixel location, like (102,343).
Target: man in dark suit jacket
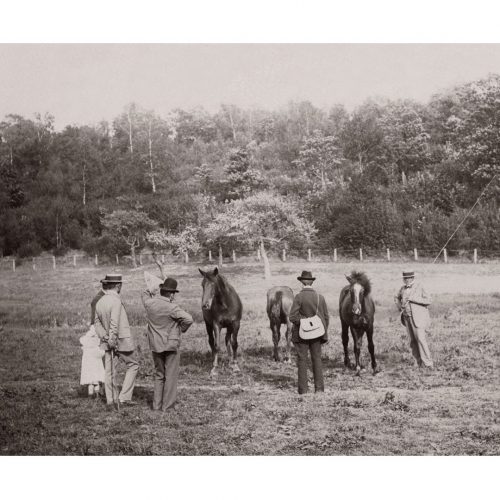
(308,303)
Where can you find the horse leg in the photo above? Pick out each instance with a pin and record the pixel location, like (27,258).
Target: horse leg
(235,328)
(371,349)
(210,331)
(275,327)
(215,349)
(345,343)
(288,341)
(358,339)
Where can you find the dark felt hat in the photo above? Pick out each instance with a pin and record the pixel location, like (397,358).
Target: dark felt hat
(306,275)
(169,285)
(112,278)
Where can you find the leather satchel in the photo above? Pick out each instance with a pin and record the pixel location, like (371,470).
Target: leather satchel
(311,328)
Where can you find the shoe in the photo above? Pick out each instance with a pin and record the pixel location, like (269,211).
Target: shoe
(128,403)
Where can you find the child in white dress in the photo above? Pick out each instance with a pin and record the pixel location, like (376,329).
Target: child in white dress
(92,366)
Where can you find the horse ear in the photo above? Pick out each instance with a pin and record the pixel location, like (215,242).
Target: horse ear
(348,278)
(216,271)
(202,272)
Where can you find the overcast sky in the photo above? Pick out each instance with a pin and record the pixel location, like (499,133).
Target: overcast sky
(83,84)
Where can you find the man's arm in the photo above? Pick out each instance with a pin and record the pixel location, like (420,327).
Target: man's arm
(294,311)
(324,311)
(113,322)
(184,319)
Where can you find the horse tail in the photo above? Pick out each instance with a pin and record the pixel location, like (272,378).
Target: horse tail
(277,306)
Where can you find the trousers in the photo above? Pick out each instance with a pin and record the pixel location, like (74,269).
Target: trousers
(418,343)
(313,347)
(110,386)
(166,376)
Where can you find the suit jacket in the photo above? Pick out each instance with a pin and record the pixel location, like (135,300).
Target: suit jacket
(166,322)
(111,321)
(419,301)
(304,306)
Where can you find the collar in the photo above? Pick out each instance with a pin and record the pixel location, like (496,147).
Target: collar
(409,286)
(111,292)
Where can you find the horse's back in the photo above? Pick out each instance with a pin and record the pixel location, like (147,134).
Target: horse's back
(279,302)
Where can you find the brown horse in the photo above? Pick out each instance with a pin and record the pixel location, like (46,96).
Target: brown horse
(357,311)
(221,308)
(279,303)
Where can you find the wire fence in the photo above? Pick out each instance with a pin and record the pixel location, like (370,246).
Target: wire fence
(233,256)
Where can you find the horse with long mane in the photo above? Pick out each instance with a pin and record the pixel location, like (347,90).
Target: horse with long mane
(357,312)
(222,308)
(279,304)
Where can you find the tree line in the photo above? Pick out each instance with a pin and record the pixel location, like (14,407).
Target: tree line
(397,174)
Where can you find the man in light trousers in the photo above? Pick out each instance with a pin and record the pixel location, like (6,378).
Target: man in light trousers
(413,302)
(166,322)
(112,326)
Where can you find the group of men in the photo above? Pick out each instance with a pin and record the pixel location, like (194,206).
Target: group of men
(167,321)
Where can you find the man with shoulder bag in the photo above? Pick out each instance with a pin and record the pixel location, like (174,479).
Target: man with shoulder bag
(310,319)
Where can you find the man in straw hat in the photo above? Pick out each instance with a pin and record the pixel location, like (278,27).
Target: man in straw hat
(413,301)
(166,322)
(112,326)
(306,304)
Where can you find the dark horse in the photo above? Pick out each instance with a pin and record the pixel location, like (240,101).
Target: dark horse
(357,311)
(279,303)
(221,308)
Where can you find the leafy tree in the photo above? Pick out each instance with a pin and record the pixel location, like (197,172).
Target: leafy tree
(131,227)
(260,219)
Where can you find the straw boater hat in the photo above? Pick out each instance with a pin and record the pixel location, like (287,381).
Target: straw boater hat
(408,274)
(306,275)
(112,278)
(169,285)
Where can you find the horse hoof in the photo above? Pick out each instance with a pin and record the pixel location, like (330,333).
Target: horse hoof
(376,370)
(358,373)
(236,368)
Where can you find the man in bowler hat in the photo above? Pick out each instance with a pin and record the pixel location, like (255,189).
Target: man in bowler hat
(308,303)
(112,327)
(413,302)
(166,322)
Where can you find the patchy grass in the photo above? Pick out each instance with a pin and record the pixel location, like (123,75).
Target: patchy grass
(453,410)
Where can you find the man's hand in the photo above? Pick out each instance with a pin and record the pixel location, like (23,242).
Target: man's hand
(112,342)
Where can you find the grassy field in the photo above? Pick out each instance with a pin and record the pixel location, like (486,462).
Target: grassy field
(453,410)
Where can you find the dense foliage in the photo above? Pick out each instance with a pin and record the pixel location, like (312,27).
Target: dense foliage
(389,173)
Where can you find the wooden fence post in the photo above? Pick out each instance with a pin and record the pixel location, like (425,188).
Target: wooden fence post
(210,256)
(234,256)
(220,256)
(475,255)
(96,260)
(334,255)
(74,260)
(388,255)
(361,254)
(117,260)
(309,257)
(283,255)
(140,259)
(186,257)
(258,254)
(415,254)
(445,255)
(34,265)
(14,264)
(53,262)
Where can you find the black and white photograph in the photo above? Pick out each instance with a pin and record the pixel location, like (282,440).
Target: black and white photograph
(249,249)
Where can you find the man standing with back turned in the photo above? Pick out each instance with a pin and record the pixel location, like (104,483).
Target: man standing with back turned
(166,322)
(112,326)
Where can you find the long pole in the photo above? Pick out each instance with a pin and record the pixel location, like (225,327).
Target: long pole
(113,380)
(464,219)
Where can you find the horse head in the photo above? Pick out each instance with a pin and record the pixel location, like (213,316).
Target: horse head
(357,292)
(209,285)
